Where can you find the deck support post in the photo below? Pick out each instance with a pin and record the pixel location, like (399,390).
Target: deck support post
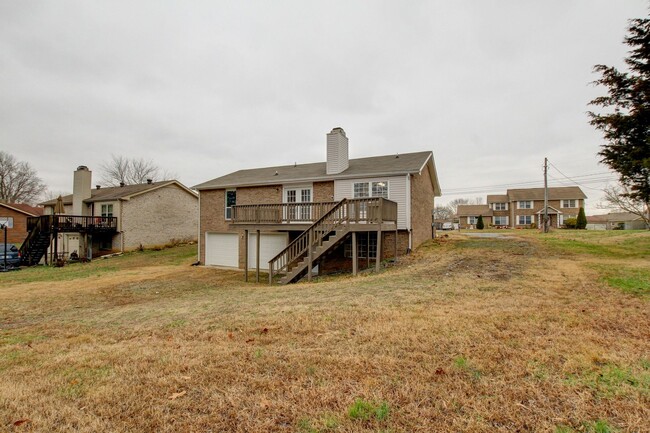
(355,255)
(246,256)
(378,254)
(395,252)
(310,259)
(257,258)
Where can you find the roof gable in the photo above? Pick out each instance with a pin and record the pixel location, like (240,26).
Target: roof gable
(122,192)
(23,208)
(387,165)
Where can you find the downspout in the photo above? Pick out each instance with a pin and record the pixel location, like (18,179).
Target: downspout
(409,216)
(121,202)
(198,235)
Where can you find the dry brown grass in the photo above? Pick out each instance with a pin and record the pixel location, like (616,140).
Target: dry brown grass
(465,335)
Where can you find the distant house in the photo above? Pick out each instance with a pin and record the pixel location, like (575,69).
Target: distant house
(521,208)
(101,220)
(14,216)
(616,221)
(297,219)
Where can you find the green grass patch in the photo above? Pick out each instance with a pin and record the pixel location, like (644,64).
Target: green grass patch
(364,410)
(611,380)
(632,280)
(599,426)
(462,364)
(132,260)
(612,244)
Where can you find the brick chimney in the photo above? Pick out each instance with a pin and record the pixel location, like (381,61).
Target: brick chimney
(337,151)
(81,189)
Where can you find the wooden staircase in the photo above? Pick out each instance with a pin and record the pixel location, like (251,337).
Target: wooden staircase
(301,255)
(38,240)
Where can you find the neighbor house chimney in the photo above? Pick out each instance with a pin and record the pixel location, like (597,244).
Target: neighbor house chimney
(337,151)
(149,181)
(81,189)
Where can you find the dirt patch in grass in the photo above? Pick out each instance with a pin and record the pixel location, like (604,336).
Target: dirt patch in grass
(463,335)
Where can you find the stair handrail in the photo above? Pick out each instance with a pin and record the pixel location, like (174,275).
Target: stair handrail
(306,239)
(26,246)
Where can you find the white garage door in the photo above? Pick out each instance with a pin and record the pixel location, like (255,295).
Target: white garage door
(270,245)
(222,249)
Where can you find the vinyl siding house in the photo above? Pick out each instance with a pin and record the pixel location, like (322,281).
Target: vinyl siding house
(329,216)
(14,216)
(521,208)
(102,220)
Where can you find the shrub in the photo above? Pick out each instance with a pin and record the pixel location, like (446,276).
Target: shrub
(479,224)
(570,223)
(581,222)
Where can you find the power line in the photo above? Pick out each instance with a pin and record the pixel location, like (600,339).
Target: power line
(488,188)
(573,180)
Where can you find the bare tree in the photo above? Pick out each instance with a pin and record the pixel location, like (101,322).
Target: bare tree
(129,171)
(18,181)
(442,213)
(618,198)
(453,205)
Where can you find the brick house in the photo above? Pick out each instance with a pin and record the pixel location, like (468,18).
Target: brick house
(520,208)
(102,220)
(14,216)
(333,215)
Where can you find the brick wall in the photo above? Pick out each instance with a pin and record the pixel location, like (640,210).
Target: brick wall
(18,233)
(159,216)
(421,207)
(323,191)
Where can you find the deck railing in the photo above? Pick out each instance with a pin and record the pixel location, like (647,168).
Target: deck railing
(73,223)
(362,210)
(359,210)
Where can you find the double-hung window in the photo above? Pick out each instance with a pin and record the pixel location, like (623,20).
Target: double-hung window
(524,220)
(525,204)
(500,220)
(107,210)
(472,220)
(500,206)
(569,203)
(231,200)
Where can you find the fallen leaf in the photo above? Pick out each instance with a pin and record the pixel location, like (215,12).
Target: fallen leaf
(264,403)
(440,371)
(176,395)
(264,331)
(21,422)
(230,335)
(250,340)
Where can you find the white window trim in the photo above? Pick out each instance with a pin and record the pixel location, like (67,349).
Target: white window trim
(370,182)
(519,202)
(225,203)
(494,206)
(8,221)
(500,216)
(564,203)
(524,224)
(297,188)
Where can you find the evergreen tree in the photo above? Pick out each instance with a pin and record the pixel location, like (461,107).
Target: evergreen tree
(581,222)
(479,223)
(626,123)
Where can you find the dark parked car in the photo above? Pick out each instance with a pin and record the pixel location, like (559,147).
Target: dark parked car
(13,255)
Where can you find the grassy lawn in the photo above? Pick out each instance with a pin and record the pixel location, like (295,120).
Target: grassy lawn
(526,332)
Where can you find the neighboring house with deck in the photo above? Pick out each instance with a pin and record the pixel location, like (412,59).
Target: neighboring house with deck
(340,214)
(521,208)
(14,216)
(102,220)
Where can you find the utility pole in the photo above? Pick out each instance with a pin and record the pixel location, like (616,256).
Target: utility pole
(546,195)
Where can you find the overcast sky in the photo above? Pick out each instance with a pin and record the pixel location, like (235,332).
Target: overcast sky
(206,88)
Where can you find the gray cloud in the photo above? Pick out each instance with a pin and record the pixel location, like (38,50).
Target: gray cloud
(204,88)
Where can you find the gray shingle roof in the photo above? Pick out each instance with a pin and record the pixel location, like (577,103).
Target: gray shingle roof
(473,210)
(114,192)
(361,167)
(556,193)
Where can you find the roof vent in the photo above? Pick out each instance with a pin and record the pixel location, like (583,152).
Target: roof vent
(82,167)
(149,181)
(122,184)
(98,186)
(276,173)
